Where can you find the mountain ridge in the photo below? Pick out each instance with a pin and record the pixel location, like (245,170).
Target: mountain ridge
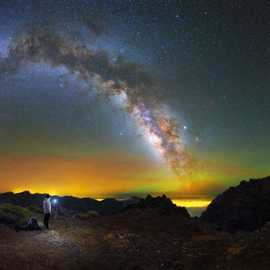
(243,207)
(71,205)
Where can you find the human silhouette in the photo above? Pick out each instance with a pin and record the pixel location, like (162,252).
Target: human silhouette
(47,210)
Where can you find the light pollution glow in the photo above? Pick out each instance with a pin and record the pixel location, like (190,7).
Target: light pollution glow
(124,174)
(191,202)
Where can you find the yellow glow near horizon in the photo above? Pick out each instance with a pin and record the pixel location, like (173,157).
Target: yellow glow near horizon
(103,176)
(191,202)
(80,177)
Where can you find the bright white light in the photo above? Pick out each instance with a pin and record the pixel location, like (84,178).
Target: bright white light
(55,201)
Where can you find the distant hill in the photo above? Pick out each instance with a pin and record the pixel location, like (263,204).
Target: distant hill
(67,205)
(244,207)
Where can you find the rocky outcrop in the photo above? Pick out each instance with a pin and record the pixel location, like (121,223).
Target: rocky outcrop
(244,207)
(163,204)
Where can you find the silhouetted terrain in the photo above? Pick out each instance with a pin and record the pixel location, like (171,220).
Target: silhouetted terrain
(67,204)
(151,233)
(245,207)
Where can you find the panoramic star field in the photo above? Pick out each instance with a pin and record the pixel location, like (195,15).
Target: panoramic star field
(119,98)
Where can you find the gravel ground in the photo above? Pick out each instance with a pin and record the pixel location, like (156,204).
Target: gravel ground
(133,240)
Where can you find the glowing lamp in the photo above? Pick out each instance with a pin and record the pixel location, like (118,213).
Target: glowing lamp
(54,201)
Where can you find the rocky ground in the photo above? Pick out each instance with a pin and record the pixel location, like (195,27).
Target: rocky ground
(135,239)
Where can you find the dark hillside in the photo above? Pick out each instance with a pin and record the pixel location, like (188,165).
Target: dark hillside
(244,207)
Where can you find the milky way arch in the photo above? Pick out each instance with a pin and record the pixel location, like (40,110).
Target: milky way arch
(112,78)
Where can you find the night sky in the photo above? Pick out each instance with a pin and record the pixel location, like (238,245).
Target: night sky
(118,98)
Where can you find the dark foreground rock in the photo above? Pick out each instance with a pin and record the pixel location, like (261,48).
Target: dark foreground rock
(137,239)
(244,207)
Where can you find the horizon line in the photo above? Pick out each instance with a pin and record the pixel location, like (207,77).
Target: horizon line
(189,202)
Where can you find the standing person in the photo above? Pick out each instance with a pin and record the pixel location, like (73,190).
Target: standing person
(47,210)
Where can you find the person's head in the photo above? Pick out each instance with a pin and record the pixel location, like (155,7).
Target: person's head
(47,196)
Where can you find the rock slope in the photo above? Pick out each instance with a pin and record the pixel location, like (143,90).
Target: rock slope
(244,207)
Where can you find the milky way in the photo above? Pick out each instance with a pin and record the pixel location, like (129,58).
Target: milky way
(112,78)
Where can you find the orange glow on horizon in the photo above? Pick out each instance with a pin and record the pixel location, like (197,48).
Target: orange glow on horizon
(82,177)
(110,175)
